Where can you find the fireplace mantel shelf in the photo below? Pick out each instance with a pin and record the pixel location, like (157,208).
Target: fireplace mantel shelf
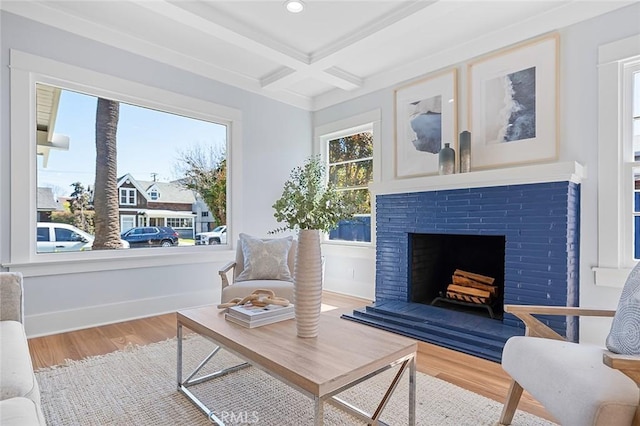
(569,171)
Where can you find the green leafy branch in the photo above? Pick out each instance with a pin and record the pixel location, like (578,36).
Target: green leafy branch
(309,202)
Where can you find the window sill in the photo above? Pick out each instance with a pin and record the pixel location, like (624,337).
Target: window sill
(349,249)
(139,258)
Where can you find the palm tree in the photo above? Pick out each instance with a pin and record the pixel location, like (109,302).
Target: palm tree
(105,199)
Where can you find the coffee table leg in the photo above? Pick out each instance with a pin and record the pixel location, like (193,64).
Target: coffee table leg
(179,369)
(318,411)
(412,392)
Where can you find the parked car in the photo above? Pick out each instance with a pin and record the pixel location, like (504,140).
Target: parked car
(151,236)
(58,237)
(217,236)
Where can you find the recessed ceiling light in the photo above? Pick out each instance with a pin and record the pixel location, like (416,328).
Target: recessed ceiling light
(294,6)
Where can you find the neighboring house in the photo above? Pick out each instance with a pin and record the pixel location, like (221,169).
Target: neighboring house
(204,220)
(46,138)
(150,203)
(46,203)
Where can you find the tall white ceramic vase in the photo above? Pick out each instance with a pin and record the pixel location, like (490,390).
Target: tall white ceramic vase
(308,283)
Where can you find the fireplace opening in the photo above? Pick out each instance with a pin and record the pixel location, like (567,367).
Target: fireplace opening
(435,258)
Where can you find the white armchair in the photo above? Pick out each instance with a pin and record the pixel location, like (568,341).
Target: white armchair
(260,264)
(579,384)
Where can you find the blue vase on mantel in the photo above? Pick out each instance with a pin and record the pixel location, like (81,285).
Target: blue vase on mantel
(447,160)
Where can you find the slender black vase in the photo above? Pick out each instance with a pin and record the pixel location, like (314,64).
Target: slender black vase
(447,160)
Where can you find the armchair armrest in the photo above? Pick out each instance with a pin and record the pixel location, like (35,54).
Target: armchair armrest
(627,364)
(223,273)
(536,328)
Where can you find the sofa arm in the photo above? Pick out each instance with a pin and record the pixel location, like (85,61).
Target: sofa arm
(11,300)
(223,273)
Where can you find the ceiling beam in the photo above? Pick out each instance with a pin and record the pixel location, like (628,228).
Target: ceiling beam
(203,17)
(322,64)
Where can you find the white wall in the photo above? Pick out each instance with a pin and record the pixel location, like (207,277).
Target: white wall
(578,142)
(271,148)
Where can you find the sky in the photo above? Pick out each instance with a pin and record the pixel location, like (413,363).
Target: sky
(149,141)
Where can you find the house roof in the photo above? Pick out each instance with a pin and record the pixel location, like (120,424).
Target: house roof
(169,192)
(47,99)
(46,201)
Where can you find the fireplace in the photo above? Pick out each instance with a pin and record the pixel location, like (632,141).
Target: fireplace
(532,229)
(434,258)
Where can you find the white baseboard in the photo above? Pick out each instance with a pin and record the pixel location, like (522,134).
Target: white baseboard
(350,287)
(93,316)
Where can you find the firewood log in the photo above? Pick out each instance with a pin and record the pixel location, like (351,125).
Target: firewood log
(476,277)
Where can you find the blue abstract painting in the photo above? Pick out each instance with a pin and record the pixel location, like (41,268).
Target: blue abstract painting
(426,123)
(511,107)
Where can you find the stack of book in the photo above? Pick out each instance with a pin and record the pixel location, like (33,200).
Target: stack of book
(254,316)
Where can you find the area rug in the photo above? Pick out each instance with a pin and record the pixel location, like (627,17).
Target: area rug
(137,386)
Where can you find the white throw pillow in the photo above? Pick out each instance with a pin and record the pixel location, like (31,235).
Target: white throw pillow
(624,337)
(265,259)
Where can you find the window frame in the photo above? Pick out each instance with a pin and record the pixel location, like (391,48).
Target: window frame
(26,71)
(368,121)
(124,219)
(615,156)
(127,195)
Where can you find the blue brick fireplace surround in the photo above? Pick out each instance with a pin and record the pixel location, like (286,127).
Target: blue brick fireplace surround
(540,225)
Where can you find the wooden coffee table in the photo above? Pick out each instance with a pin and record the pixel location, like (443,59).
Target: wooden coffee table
(344,354)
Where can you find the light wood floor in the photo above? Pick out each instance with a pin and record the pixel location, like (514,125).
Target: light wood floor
(477,375)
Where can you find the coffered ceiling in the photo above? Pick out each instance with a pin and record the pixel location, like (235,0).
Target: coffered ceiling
(329,53)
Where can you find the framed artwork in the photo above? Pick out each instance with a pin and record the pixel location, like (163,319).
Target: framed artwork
(513,105)
(426,119)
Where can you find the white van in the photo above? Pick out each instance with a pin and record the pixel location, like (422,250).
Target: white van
(56,237)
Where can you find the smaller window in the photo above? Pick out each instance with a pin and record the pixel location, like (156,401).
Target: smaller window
(204,214)
(154,194)
(127,222)
(636,215)
(180,222)
(350,163)
(128,196)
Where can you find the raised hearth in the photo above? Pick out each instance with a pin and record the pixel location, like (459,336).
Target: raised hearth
(476,335)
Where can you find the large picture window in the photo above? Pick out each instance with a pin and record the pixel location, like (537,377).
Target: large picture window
(53,165)
(152,149)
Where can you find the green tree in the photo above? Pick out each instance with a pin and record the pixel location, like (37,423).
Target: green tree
(105,199)
(308,201)
(204,171)
(79,207)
